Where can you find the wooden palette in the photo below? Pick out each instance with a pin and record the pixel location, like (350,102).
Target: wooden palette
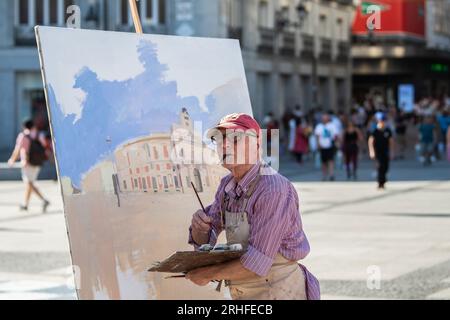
(185,261)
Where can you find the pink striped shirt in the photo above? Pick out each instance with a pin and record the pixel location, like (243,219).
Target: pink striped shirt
(274,218)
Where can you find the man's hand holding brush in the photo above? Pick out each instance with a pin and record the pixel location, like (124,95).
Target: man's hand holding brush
(201,227)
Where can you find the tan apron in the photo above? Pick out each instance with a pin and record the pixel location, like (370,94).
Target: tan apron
(285,280)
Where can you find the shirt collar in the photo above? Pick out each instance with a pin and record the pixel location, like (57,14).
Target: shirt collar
(237,189)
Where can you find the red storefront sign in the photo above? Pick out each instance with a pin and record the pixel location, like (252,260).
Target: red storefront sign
(397,17)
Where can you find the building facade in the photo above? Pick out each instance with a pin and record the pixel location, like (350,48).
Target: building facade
(301,59)
(410,47)
(294,51)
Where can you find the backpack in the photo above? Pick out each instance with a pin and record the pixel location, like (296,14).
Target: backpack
(36,153)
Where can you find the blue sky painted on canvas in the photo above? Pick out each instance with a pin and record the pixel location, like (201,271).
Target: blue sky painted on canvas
(121,110)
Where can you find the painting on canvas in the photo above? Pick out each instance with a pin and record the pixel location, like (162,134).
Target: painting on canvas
(128,116)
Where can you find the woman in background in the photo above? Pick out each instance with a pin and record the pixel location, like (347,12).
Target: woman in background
(301,140)
(352,138)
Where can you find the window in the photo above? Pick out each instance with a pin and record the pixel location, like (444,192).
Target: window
(161,11)
(67,3)
(340,29)
(175,180)
(159,182)
(124,184)
(146,169)
(53,11)
(166,152)
(144,184)
(165,182)
(124,12)
(323,25)
(235,13)
(39,12)
(263,14)
(23,12)
(137,171)
(147,149)
(157,167)
(135,183)
(155,152)
(168,166)
(148,9)
(155,185)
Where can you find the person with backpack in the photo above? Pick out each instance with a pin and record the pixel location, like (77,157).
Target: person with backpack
(31,151)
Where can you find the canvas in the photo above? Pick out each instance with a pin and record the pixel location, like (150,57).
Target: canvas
(128,115)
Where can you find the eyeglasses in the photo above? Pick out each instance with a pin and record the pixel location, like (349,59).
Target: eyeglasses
(230,137)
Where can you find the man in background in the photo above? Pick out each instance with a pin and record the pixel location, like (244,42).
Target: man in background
(381,148)
(30,149)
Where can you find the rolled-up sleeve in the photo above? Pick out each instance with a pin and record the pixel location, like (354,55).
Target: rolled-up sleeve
(272,213)
(212,211)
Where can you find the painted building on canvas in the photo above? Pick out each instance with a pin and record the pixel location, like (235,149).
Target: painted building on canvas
(159,163)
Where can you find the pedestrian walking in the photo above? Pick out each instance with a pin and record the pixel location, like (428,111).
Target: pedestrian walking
(30,150)
(327,136)
(301,141)
(352,138)
(426,139)
(381,148)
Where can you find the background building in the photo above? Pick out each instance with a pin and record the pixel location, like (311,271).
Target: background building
(412,46)
(295,51)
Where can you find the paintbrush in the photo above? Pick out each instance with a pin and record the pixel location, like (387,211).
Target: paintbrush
(201,204)
(184,276)
(176,276)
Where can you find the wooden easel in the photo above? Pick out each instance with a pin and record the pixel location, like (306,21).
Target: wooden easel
(135,15)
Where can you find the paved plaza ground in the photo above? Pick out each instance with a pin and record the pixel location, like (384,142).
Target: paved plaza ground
(365,243)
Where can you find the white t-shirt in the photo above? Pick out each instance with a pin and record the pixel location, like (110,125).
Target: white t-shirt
(338,125)
(326,133)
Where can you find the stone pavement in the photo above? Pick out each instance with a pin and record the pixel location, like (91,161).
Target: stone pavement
(365,243)
(34,251)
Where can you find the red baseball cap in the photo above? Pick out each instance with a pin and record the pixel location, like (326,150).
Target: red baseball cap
(236,121)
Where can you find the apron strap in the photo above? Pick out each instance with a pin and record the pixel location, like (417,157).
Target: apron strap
(223,207)
(247,196)
(250,191)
